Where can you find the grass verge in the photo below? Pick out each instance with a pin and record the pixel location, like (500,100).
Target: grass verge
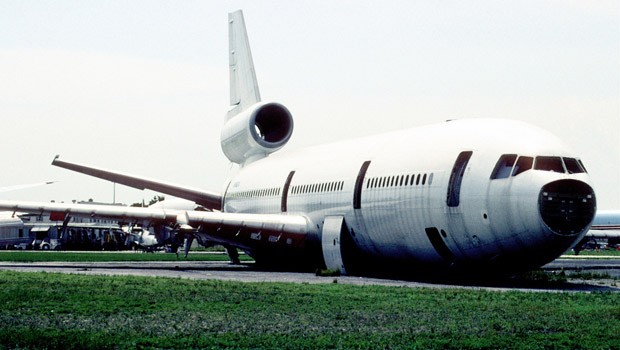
(592,252)
(48,256)
(42,310)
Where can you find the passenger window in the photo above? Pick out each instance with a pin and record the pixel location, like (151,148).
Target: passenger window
(549,164)
(503,168)
(573,166)
(523,164)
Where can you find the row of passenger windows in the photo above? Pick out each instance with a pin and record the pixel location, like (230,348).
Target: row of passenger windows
(513,165)
(265,192)
(375,182)
(315,188)
(400,180)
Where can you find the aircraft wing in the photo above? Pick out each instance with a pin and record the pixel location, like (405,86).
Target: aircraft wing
(237,229)
(210,200)
(58,211)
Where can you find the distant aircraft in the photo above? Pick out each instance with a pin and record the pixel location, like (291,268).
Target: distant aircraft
(606,226)
(607,220)
(477,196)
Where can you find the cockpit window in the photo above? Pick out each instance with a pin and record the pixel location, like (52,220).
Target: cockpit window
(511,164)
(503,168)
(573,166)
(523,164)
(582,166)
(549,164)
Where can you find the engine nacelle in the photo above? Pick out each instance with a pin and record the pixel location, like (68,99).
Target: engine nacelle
(256,132)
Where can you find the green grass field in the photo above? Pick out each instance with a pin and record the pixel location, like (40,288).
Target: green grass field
(40,256)
(602,252)
(55,311)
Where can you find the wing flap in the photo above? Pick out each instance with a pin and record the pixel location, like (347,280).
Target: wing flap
(250,232)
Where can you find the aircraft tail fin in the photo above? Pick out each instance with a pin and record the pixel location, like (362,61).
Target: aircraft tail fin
(243,84)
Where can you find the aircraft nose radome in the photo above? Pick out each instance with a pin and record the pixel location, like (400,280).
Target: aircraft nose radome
(567,206)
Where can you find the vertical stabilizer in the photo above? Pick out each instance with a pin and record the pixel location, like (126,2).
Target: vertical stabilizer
(252,129)
(243,84)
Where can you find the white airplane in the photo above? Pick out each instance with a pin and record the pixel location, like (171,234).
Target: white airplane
(467,196)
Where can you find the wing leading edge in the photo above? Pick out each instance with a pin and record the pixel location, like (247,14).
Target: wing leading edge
(209,200)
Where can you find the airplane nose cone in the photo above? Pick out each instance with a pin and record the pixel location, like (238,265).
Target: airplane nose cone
(567,207)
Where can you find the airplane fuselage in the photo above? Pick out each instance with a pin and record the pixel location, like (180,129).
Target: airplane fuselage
(423,198)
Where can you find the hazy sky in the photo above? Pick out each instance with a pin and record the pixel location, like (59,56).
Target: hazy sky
(142,86)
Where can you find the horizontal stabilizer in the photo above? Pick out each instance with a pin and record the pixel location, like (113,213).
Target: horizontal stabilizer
(209,200)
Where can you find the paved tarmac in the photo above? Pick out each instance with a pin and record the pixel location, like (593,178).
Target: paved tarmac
(604,265)
(247,273)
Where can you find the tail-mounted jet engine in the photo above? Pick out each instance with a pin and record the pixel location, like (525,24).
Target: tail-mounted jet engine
(256,132)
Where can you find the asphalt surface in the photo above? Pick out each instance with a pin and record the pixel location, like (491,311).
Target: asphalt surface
(247,273)
(609,265)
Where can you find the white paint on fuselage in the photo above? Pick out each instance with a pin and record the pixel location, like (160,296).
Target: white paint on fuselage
(494,216)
